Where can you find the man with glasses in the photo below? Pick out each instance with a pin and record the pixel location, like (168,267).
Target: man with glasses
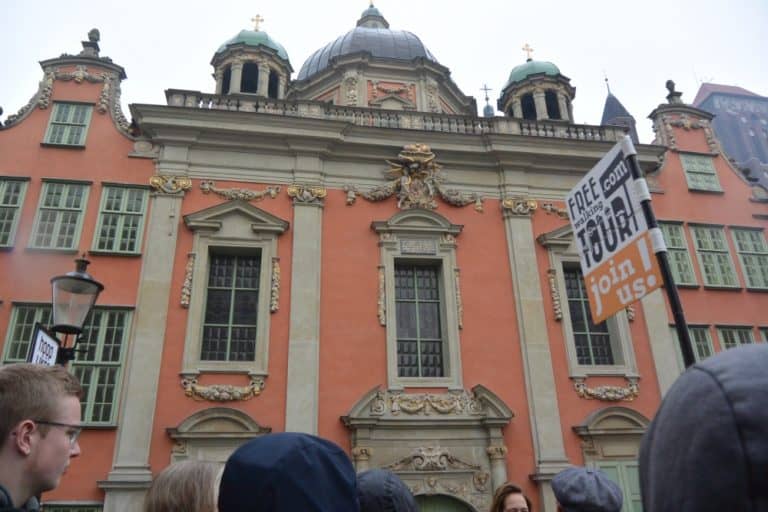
(39,427)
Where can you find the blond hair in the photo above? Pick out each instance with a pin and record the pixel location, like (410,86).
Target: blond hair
(186,486)
(33,392)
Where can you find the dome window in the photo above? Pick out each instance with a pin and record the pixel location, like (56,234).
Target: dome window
(528,106)
(553,109)
(250,81)
(274,80)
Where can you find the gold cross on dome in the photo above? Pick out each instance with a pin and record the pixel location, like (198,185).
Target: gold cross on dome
(528,50)
(256,20)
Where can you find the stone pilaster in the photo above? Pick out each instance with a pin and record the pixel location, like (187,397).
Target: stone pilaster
(130,476)
(541,105)
(498,456)
(236,77)
(263,85)
(281,86)
(219,77)
(662,343)
(517,108)
(563,106)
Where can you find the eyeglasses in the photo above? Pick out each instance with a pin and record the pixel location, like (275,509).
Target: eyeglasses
(73,431)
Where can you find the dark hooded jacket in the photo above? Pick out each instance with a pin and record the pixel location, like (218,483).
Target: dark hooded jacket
(6,506)
(288,472)
(707,448)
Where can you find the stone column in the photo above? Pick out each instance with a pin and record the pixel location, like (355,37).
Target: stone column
(219,77)
(548,445)
(130,476)
(236,77)
(563,106)
(498,456)
(662,343)
(281,86)
(541,105)
(302,395)
(361,455)
(517,108)
(263,85)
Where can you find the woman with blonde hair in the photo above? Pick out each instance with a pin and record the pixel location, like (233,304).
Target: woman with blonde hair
(186,486)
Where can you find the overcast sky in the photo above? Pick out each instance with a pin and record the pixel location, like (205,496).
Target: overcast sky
(166,44)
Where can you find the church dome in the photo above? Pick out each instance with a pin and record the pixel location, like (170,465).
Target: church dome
(532,67)
(373,36)
(255,38)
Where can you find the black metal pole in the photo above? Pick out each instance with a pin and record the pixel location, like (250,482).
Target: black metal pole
(684,338)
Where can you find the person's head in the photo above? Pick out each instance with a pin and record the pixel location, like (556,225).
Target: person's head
(379,490)
(288,471)
(187,486)
(510,498)
(580,489)
(39,424)
(707,447)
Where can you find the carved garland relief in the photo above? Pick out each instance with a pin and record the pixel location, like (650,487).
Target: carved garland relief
(274,296)
(170,184)
(307,194)
(425,404)
(608,393)
(241,194)
(222,392)
(186,288)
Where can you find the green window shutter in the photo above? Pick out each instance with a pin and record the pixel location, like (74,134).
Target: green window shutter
(677,247)
(753,255)
(700,172)
(59,216)
(715,259)
(121,220)
(419,331)
(626,474)
(68,124)
(592,342)
(11,197)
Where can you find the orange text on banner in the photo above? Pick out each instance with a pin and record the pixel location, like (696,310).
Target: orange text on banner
(625,277)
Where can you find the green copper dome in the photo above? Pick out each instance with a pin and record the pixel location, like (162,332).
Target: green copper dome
(532,67)
(255,38)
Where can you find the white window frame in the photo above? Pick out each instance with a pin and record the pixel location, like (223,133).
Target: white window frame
(737,330)
(233,226)
(761,254)
(14,222)
(422,236)
(692,329)
(666,227)
(699,169)
(563,251)
(68,124)
(727,251)
(106,188)
(41,208)
(763,333)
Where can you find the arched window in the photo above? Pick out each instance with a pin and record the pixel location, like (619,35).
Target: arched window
(528,106)
(250,82)
(553,109)
(273,81)
(226,79)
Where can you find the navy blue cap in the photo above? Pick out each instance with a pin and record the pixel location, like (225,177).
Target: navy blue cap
(580,489)
(380,490)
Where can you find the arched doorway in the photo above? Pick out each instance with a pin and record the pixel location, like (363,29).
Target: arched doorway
(441,503)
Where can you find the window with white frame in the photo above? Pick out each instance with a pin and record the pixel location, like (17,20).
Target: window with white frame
(714,257)
(592,341)
(121,219)
(700,172)
(753,255)
(11,197)
(419,299)
(677,251)
(59,215)
(68,125)
(701,340)
(764,333)
(98,362)
(734,336)
(231,268)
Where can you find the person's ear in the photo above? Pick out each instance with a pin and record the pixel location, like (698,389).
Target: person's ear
(24,433)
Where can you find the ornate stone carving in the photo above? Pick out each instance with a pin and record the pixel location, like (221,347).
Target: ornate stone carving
(432,101)
(221,392)
(557,307)
(307,194)
(179,447)
(416,180)
(274,296)
(481,480)
(496,451)
(362,453)
(186,288)
(382,301)
(46,89)
(554,210)
(425,404)
(239,194)
(170,184)
(431,458)
(350,85)
(519,206)
(608,393)
(459,305)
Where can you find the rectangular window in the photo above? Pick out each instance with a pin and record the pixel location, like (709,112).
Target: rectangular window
(677,249)
(98,363)
(419,332)
(764,334)
(702,342)
(11,197)
(593,342)
(121,219)
(734,336)
(231,308)
(714,258)
(626,474)
(59,215)
(700,172)
(69,124)
(753,254)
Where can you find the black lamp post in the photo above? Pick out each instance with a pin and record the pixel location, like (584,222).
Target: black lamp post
(74,294)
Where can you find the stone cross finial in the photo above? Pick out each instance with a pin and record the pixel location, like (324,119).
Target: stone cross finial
(256,21)
(486,90)
(528,51)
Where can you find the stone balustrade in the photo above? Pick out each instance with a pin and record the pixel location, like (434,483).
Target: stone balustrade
(407,120)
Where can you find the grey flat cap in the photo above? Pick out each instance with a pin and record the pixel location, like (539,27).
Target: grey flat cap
(580,489)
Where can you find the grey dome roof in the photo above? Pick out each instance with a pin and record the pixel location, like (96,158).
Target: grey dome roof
(379,42)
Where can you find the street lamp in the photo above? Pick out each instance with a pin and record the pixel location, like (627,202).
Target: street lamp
(74,294)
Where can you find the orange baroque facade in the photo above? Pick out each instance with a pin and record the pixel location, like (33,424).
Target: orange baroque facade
(379,266)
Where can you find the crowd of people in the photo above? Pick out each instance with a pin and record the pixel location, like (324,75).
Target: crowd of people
(706,450)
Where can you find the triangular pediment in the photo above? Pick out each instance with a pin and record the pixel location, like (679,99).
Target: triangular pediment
(560,239)
(214,217)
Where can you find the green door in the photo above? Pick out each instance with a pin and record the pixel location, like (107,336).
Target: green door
(626,474)
(440,503)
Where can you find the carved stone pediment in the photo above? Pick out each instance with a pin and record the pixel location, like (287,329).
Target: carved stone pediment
(431,458)
(212,219)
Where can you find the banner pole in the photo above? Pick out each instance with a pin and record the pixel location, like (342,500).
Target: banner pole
(659,247)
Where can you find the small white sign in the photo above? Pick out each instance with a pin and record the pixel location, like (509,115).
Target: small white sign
(44,349)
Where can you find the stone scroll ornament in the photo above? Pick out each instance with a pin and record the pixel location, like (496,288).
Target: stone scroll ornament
(221,392)
(417,181)
(170,184)
(239,194)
